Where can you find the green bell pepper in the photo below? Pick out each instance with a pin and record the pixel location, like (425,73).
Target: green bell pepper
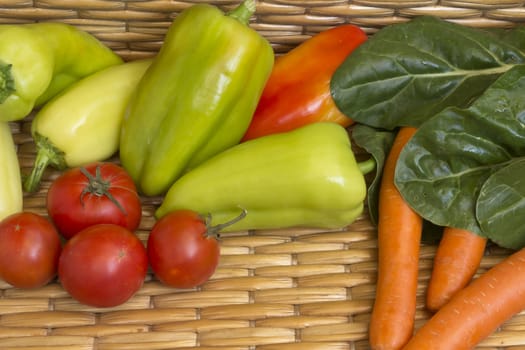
(82,123)
(197,98)
(307,177)
(38,60)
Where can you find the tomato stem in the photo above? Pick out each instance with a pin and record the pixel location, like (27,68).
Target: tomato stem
(215,230)
(98,187)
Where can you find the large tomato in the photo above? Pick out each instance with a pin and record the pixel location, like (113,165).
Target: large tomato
(99,193)
(183,250)
(103,265)
(29,250)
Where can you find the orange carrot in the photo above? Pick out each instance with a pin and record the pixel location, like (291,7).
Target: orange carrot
(456,261)
(477,310)
(399,235)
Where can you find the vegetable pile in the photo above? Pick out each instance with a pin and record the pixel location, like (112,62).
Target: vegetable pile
(453,96)
(231,138)
(175,124)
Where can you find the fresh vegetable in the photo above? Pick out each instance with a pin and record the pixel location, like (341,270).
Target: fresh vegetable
(103,265)
(83,123)
(183,249)
(376,142)
(38,60)
(515,36)
(305,177)
(29,250)
(450,159)
(298,90)
(198,96)
(11,195)
(456,261)
(99,193)
(503,223)
(406,73)
(477,310)
(399,235)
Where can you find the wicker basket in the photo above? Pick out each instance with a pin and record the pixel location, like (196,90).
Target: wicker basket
(282,289)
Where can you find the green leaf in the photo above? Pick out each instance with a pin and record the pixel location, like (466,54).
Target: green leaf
(514,36)
(408,72)
(377,143)
(500,207)
(442,168)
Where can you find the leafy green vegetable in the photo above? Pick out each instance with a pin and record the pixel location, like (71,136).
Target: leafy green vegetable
(514,36)
(378,143)
(501,206)
(408,72)
(443,167)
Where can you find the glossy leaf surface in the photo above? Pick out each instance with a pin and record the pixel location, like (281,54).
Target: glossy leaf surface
(442,169)
(408,72)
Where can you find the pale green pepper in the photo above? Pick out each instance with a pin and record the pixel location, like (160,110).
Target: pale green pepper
(197,98)
(38,60)
(307,177)
(82,124)
(11,196)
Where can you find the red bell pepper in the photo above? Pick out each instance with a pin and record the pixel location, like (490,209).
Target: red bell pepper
(298,90)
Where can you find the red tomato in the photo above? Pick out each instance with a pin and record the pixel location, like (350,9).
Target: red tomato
(180,251)
(29,250)
(100,193)
(103,265)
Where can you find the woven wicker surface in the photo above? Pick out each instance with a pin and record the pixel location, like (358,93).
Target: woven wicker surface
(135,28)
(282,289)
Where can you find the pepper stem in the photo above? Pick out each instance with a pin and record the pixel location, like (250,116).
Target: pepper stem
(367,166)
(243,12)
(7,82)
(215,230)
(47,154)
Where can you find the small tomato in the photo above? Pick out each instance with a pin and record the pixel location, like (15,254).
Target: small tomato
(183,250)
(29,250)
(100,193)
(103,265)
